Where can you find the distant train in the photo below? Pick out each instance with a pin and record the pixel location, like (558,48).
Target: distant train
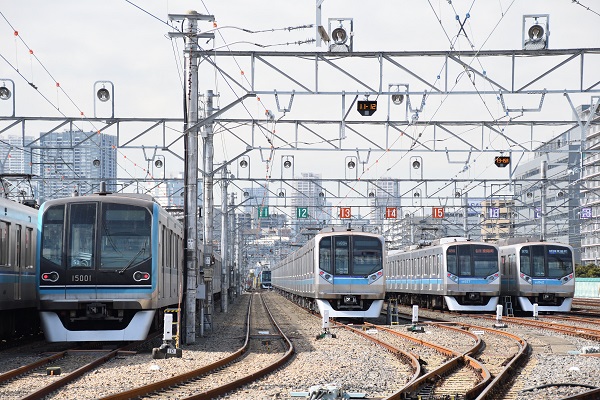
(452,273)
(18,227)
(541,273)
(340,272)
(108,265)
(264,279)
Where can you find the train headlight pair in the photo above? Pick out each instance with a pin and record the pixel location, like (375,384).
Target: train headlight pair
(139,276)
(373,277)
(326,276)
(50,276)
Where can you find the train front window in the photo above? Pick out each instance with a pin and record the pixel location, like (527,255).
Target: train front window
(124,236)
(366,255)
(537,261)
(485,260)
(82,222)
(325,254)
(451,262)
(342,255)
(560,261)
(52,237)
(525,261)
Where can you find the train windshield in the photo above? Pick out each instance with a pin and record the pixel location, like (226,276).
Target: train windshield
(52,238)
(366,254)
(472,260)
(265,276)
(124,236)
(546,261)
(350,255)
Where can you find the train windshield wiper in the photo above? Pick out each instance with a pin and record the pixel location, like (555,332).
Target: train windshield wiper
(130,263)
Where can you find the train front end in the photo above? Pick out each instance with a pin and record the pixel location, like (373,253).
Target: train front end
(472,281)
(544,275)
(349,274)
(97,276)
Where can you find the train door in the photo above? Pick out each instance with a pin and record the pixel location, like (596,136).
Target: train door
(19,270)
(341,267)
(81,248)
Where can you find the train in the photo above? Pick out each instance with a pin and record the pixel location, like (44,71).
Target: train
(18,236)
(338,272)
(264,279)
(108,265)
(452,273)
(535,272)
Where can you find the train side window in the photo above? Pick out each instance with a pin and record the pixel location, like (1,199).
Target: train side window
(4,239)
(341,247)
(52,239)
(325,254)
(451,261)
(18,246)
(29,250)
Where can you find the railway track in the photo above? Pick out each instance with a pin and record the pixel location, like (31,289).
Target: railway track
(32,381)
(265,349)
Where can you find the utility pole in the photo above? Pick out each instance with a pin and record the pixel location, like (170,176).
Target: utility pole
(224,242)
(543,172)
(191,168)
(208,145)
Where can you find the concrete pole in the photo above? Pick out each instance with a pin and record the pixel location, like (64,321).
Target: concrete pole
(543,169)
(224,242)
(466,214)
(191,181)
(232,258)
(207,136)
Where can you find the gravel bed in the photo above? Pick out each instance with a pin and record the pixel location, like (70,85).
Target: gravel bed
(348,360)
(544,367)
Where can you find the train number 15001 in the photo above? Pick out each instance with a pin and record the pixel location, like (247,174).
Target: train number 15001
(81,278)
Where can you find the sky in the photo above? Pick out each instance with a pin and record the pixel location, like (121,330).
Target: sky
(65,47)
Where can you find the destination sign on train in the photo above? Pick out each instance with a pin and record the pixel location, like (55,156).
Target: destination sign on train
(366,107)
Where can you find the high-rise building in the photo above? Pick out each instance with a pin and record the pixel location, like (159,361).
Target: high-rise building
(16,157)
(76,161)
(310,194)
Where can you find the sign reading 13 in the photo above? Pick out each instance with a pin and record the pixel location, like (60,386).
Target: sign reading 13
(345,212)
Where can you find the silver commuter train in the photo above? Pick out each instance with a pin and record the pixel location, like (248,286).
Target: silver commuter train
(452,273)
(535,272)
(340,272)
(108,266)
(18,226)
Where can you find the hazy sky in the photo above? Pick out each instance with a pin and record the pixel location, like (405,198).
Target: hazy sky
(79,42)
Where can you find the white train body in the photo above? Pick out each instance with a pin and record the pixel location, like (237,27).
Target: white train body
(454,274)
(539,273)
(341,273)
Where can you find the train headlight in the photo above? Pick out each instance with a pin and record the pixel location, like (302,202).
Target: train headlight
(139,276)
(492,278)
(373,277)
(453,277)
(50,276)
